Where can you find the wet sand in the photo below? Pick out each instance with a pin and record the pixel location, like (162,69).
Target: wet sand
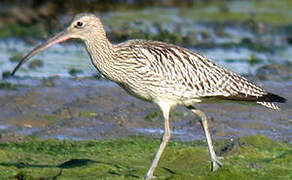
(66,108)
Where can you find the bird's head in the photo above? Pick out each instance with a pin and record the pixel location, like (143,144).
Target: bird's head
(84,27)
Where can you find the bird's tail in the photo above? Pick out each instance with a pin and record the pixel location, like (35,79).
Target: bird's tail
(269,105)
(267,99)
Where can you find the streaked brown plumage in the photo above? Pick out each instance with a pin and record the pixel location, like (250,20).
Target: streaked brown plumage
(161,73)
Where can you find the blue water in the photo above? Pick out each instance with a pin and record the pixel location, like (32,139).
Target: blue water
(59,59)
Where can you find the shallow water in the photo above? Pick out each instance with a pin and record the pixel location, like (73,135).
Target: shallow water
(61,58)
(57,60)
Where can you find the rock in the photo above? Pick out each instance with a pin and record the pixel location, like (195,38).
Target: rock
(246,41)
(289,40)
(12,137)
(220,31)
(205,35)
(191,39)
(19,14)
(16,58)
(34,64)
(48,82)
(275,72)
(74,72)
(5,74)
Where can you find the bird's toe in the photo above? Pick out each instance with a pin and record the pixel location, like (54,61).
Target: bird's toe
(216,163)
(150,177)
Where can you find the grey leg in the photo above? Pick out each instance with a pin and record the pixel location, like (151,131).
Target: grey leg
(204,122)
(163,144)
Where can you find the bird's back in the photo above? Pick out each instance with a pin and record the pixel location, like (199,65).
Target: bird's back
(160,70)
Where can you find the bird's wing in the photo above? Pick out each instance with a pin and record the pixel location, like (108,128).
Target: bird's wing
(200,75)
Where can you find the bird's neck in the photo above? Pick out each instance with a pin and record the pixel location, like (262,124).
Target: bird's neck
(101,52)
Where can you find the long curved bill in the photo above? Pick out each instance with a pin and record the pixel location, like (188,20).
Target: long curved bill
(62,36)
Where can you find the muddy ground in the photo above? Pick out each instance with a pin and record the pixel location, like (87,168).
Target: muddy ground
(89,108)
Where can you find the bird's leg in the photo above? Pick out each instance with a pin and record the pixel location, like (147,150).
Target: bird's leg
(163,143)
(204,122)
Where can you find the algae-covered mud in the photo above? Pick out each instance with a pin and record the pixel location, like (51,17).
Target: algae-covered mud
(60,119)
(251,157)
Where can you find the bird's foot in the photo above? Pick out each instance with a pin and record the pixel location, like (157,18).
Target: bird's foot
(216,163)
(150,177)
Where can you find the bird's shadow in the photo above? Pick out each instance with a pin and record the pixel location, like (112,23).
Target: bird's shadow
(72,163)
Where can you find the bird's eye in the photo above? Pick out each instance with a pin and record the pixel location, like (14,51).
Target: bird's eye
(79,24)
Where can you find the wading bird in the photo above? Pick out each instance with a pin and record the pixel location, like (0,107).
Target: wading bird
(161,73)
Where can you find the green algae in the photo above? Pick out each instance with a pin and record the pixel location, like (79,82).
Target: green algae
(7,85)
(153,116)
(16,30)
(49,117)
(157,115)
(253,157)
(86,114)
(267,11)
